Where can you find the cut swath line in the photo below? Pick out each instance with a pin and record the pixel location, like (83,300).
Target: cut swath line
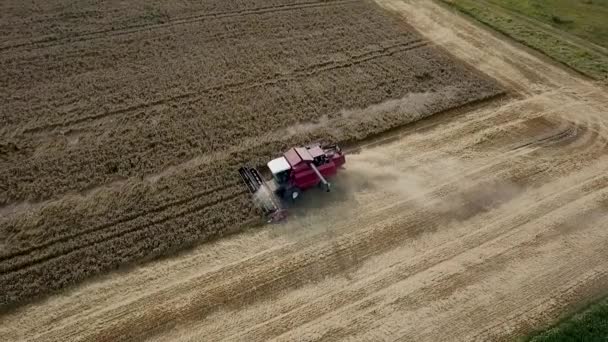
(121,220)
(242,86)
(58,251)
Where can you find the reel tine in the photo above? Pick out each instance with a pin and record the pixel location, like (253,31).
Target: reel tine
(249,179)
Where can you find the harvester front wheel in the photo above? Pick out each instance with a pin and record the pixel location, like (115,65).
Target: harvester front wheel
(293,194)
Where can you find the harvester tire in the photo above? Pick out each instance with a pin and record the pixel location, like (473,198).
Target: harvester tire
(293,194)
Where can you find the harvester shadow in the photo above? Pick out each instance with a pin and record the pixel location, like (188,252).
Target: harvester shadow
(317,212)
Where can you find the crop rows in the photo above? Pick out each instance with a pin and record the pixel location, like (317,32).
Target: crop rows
(186,105)
(55,22)
(163,61)
(147,140)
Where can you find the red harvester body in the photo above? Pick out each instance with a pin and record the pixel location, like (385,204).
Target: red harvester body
(301,160)
(299,169)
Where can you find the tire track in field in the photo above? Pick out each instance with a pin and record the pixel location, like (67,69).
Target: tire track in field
(361,297)
(125,219)
(172,22)
(262,275)
(143,245)
(589,287)
(384,212)
(236,87)
(24,259)
(373,291)
(503,113)
(362,313)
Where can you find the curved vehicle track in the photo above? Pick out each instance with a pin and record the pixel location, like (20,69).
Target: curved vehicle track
(477,224)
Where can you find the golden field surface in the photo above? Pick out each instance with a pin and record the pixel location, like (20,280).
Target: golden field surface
(124,124)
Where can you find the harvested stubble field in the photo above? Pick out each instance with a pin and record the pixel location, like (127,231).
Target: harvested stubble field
(123,123)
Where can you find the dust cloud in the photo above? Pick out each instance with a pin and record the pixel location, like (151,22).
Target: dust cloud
(420,179)
(372,170)
(446,185)
(264,198)
(405,110)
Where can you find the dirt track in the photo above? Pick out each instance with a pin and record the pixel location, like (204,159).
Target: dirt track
(475,226)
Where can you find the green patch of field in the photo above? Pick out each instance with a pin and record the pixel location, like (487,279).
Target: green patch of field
(558,28)
(587,19)
(591,325)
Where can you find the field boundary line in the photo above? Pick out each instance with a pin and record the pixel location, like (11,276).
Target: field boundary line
(598,274)
(390,135)
(540,52)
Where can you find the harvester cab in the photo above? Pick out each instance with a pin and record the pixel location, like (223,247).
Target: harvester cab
(298,169)
(280,170)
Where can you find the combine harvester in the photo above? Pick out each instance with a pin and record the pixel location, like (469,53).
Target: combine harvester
(299,169)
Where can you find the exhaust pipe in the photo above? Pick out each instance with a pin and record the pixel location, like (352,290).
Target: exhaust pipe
(326,184)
